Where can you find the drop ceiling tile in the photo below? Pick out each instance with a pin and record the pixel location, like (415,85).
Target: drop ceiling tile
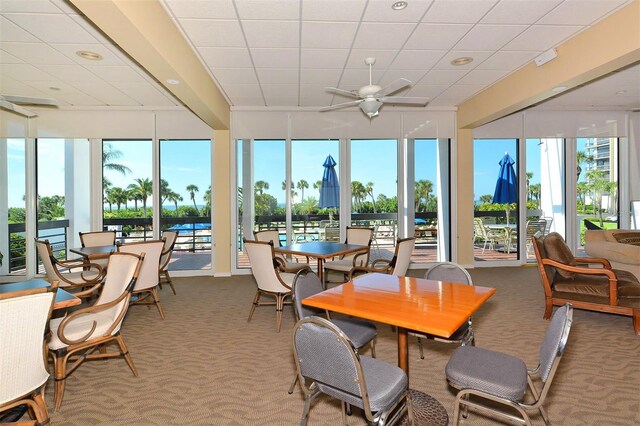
(384,58)
(373,35)
(268,9)
(324,58)
(328,35)
(482,77)
(320,76)
(247,101)
(145,94)
(393,74)
(31,6)
(109,58)
(508,60)
(114,74)
(36,53)
(219,9)
(53,28)
(519,12)
(580,12)
(239,90)
(235,76)
(70,73)
(23,72)
(7,58)
(446,77)
(272,33)
(333,10)
(489,37)
(67,93)
(381,11)
(222,57)
(315,101)
(355,78)
(459,11)
(541,37)
(277,76)
(64,7)
(430,91)
(417,59)
(105,93)
(280,90)
(10,86)
(455,95)
(88,27)
(281,100)
(437,36)
(213,33)
(11,32)
(445,62)
(275,58)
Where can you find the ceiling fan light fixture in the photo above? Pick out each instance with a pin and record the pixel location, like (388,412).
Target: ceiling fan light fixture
(92,56)
(370,107)
(399,5)
(464,60)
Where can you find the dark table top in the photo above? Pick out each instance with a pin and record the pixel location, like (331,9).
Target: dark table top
(320,249)
(64,299)
(97,251)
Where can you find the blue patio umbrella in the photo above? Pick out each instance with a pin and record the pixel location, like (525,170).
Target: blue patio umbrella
(507,185)
(330,188)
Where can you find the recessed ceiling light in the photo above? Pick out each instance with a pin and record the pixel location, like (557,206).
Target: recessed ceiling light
(172,81)
(559,89)
(55,89)
(92,56)
(462,61)
(399,5)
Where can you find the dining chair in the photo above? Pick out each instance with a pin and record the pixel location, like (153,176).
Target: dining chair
(169,238)
(83,283)
(397,265)
(24,318)
(449,272)
(328,363)
(145,292)
(486,377)
(270,281)
(357,235)
(273,235)
(97,239)
(79,334)
(360,332)
(488,236)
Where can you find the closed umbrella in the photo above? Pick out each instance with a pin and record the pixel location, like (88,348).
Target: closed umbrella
(330,188)
(507,185)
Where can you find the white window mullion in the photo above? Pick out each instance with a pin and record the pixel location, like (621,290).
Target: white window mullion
(155,173)
(31,206)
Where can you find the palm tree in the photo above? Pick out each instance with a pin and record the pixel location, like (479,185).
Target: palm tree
(582,157)
(293,192)
(317,185)
(134,194)
(582,190)
(369,190)
(118,196)
(358,192)
(207,202)
(529,177)
(302,185)
(259,186)
(144,188)
(106,184)
(174,197)
(165,191)
(192,189)
(486,199)
(108,156)
(422,189)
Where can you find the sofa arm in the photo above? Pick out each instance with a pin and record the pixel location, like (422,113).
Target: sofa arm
(614,252)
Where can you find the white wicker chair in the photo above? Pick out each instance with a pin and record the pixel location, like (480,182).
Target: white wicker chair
(145,292)
(397,265)
(357,235)
(273,235)
(169,238)
(98,239)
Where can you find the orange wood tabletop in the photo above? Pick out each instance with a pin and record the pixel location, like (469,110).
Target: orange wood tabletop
(433,307)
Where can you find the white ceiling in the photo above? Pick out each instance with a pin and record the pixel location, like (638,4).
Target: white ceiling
(282,53)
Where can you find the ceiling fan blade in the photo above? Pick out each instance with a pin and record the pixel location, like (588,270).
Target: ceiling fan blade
(393,87)
(17,109)
(28,100)
(342,92)
(404,100)
(342,105)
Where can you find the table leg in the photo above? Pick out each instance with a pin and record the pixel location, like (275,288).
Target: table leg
(321,271)
(403,350)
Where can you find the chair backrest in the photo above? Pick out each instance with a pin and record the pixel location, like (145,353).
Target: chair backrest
(402,256)
(536,228)
(547,228)
(44,251)
(99,238)
(478,228)
(325,355)
(448,271)
(361,236)
(169,238)
(120,279)
(148,276)
(23,322)
(305,284)
(267,235)
(261,257)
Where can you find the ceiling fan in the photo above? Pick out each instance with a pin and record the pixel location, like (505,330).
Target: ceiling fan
(372,97)
(14,104)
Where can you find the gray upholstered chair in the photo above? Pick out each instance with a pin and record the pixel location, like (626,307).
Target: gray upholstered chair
(169,238)
(23,322)
(145,292)
(357,235)
(360,332)
(483,375)
(327,362)
(397,265)
(451,272)
(273,235)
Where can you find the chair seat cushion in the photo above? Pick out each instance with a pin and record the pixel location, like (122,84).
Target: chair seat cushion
(80,327)
(287,277)
(491,372)
(598,285)
(80,277)
(360,332)
(339,265)
(295,265)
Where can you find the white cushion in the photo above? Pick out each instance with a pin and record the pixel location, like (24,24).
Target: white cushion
(340,265)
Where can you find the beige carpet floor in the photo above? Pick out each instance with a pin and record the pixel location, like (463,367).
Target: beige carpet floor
(205,365)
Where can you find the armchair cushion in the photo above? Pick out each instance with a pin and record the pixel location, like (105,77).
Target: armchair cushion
(632,238)
(556,249)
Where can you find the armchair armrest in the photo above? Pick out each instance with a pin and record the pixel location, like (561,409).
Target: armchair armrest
(604,262)
(384,268)
(356,257)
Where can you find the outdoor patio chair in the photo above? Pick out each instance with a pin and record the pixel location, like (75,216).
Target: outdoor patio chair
(83,283)
(270,281)
(360,332)
(547,228)
(169,238)
(24,318)
(97,239)
(358,235)
(488,236)
(450,272)
(145,292)
(273,235)
(535,228)
(397,265)
(78,335)
(484,376)
(327,362)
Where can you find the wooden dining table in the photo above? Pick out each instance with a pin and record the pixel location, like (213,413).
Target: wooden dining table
(63,299)
(321,250)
